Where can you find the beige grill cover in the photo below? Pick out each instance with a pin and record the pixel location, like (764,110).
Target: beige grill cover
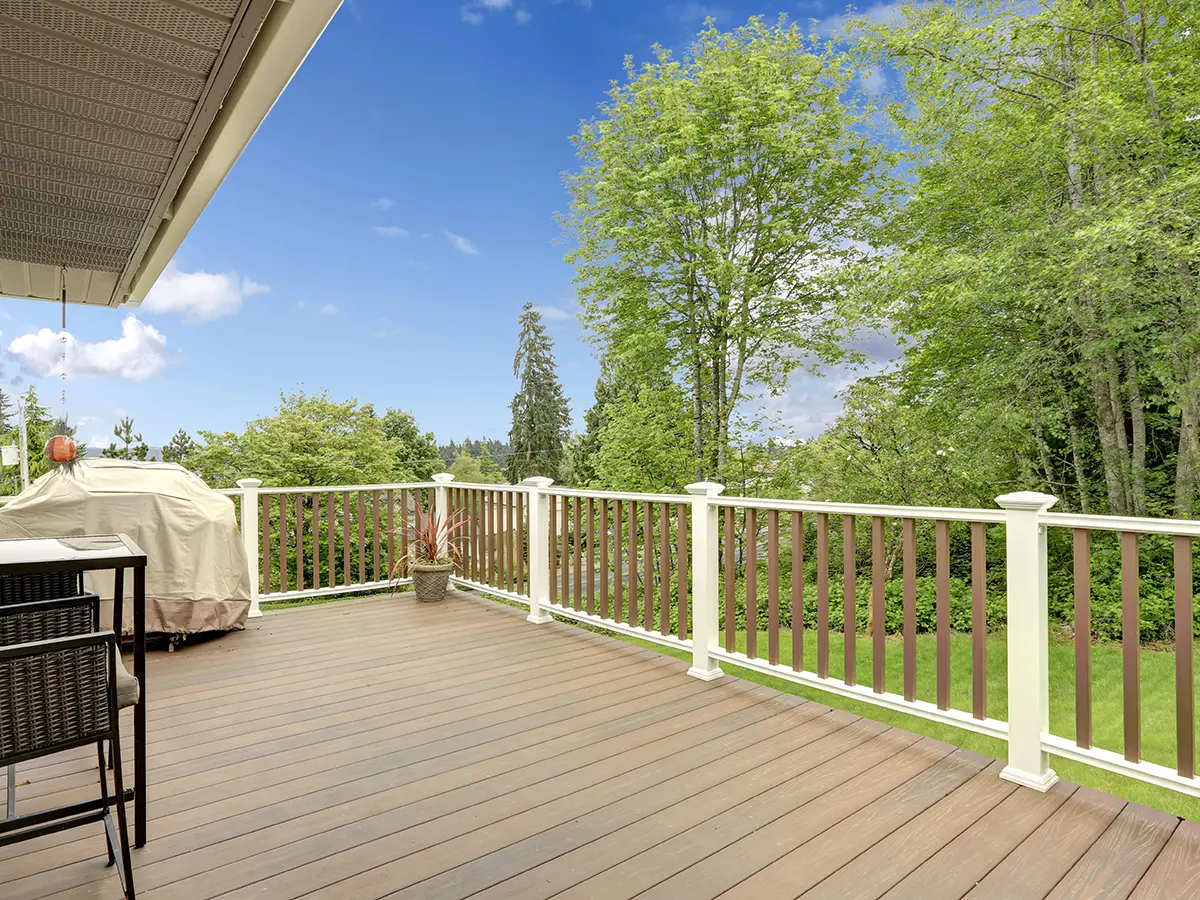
(197,577)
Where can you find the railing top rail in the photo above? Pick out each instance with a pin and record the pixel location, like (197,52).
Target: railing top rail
(335,488)
(505,488)
(1182,527)
(995,516)
(619,495)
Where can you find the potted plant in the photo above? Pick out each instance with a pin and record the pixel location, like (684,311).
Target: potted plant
(432,553)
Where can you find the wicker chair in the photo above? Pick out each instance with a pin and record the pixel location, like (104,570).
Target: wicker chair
(57,695)
(80,615)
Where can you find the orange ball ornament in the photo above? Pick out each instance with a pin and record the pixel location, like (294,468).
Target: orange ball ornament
(60,450)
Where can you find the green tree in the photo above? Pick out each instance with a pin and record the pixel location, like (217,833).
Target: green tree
(488,467)
(311,439)
(417,455)
(466,469)
(540,417)
(180,448)
(1046,260)
(128,445)
(717,198)
(644,444)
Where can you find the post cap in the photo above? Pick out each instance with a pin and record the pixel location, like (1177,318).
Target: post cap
(538,481)
(705,488)
(249,482)
(443,477)
(1026,500)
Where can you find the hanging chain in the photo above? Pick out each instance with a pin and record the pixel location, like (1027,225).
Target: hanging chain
(63,338)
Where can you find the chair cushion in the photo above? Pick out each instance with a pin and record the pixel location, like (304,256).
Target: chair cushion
(128,689)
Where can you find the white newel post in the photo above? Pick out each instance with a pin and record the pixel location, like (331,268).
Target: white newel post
(1028,640)
(704,579)
(441,503)
(539,537)
(250,488)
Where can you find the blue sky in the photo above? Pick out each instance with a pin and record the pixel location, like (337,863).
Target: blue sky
(382,230)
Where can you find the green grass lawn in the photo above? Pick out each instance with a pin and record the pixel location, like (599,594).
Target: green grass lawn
(1158,701)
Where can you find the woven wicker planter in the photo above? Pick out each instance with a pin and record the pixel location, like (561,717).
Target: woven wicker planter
(430,582)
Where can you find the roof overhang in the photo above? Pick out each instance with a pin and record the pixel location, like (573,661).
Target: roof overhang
(118,122)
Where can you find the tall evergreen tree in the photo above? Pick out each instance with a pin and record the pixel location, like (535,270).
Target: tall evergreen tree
(540,417)
(181,447)
(6,411)
(129,445)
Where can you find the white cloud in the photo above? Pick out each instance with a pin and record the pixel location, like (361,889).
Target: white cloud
(139,353)
(200,296)
(495,4)
(391,231)
(553,312)
(330,309)
(382,203)
(475,12)
(523,16)
(471,16)
(460,243)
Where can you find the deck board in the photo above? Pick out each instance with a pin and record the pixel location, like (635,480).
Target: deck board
(385,748)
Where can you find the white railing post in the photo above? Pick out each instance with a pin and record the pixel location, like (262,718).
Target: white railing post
(249,487)
(539,537)
(441,504)
(704,580)
(1028,640)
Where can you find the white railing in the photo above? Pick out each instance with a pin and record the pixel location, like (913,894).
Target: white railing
(538,545)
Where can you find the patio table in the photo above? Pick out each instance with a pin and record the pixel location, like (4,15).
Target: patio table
(91,553)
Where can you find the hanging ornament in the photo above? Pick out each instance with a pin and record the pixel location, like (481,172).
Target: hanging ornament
(61,450)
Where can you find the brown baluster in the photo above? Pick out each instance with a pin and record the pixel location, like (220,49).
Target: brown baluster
(878,608)
(565,538)
(979,620)
(391,536)
(332,532)
(266,543)
(664,567)
(648,566)
(552,555)
(577,552)
(941,540)
(1131,645)
(773,586)
(1185,700)
(316,540)
(752,582)
(633,563)
(908,529)
(283,543)
(603,558)
(520,539)
(683,569)
(618,567)
(730,584)
(797,591)
(404,531)
(849,602)
(591,557)
(822,595)
(362,538)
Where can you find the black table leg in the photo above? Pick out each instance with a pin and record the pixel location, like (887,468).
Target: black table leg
(139,711)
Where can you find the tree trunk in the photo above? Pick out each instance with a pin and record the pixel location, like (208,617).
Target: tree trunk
(1110,451)
(1081,485)
(1137,415)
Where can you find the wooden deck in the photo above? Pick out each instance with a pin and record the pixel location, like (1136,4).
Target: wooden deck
(386,748)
